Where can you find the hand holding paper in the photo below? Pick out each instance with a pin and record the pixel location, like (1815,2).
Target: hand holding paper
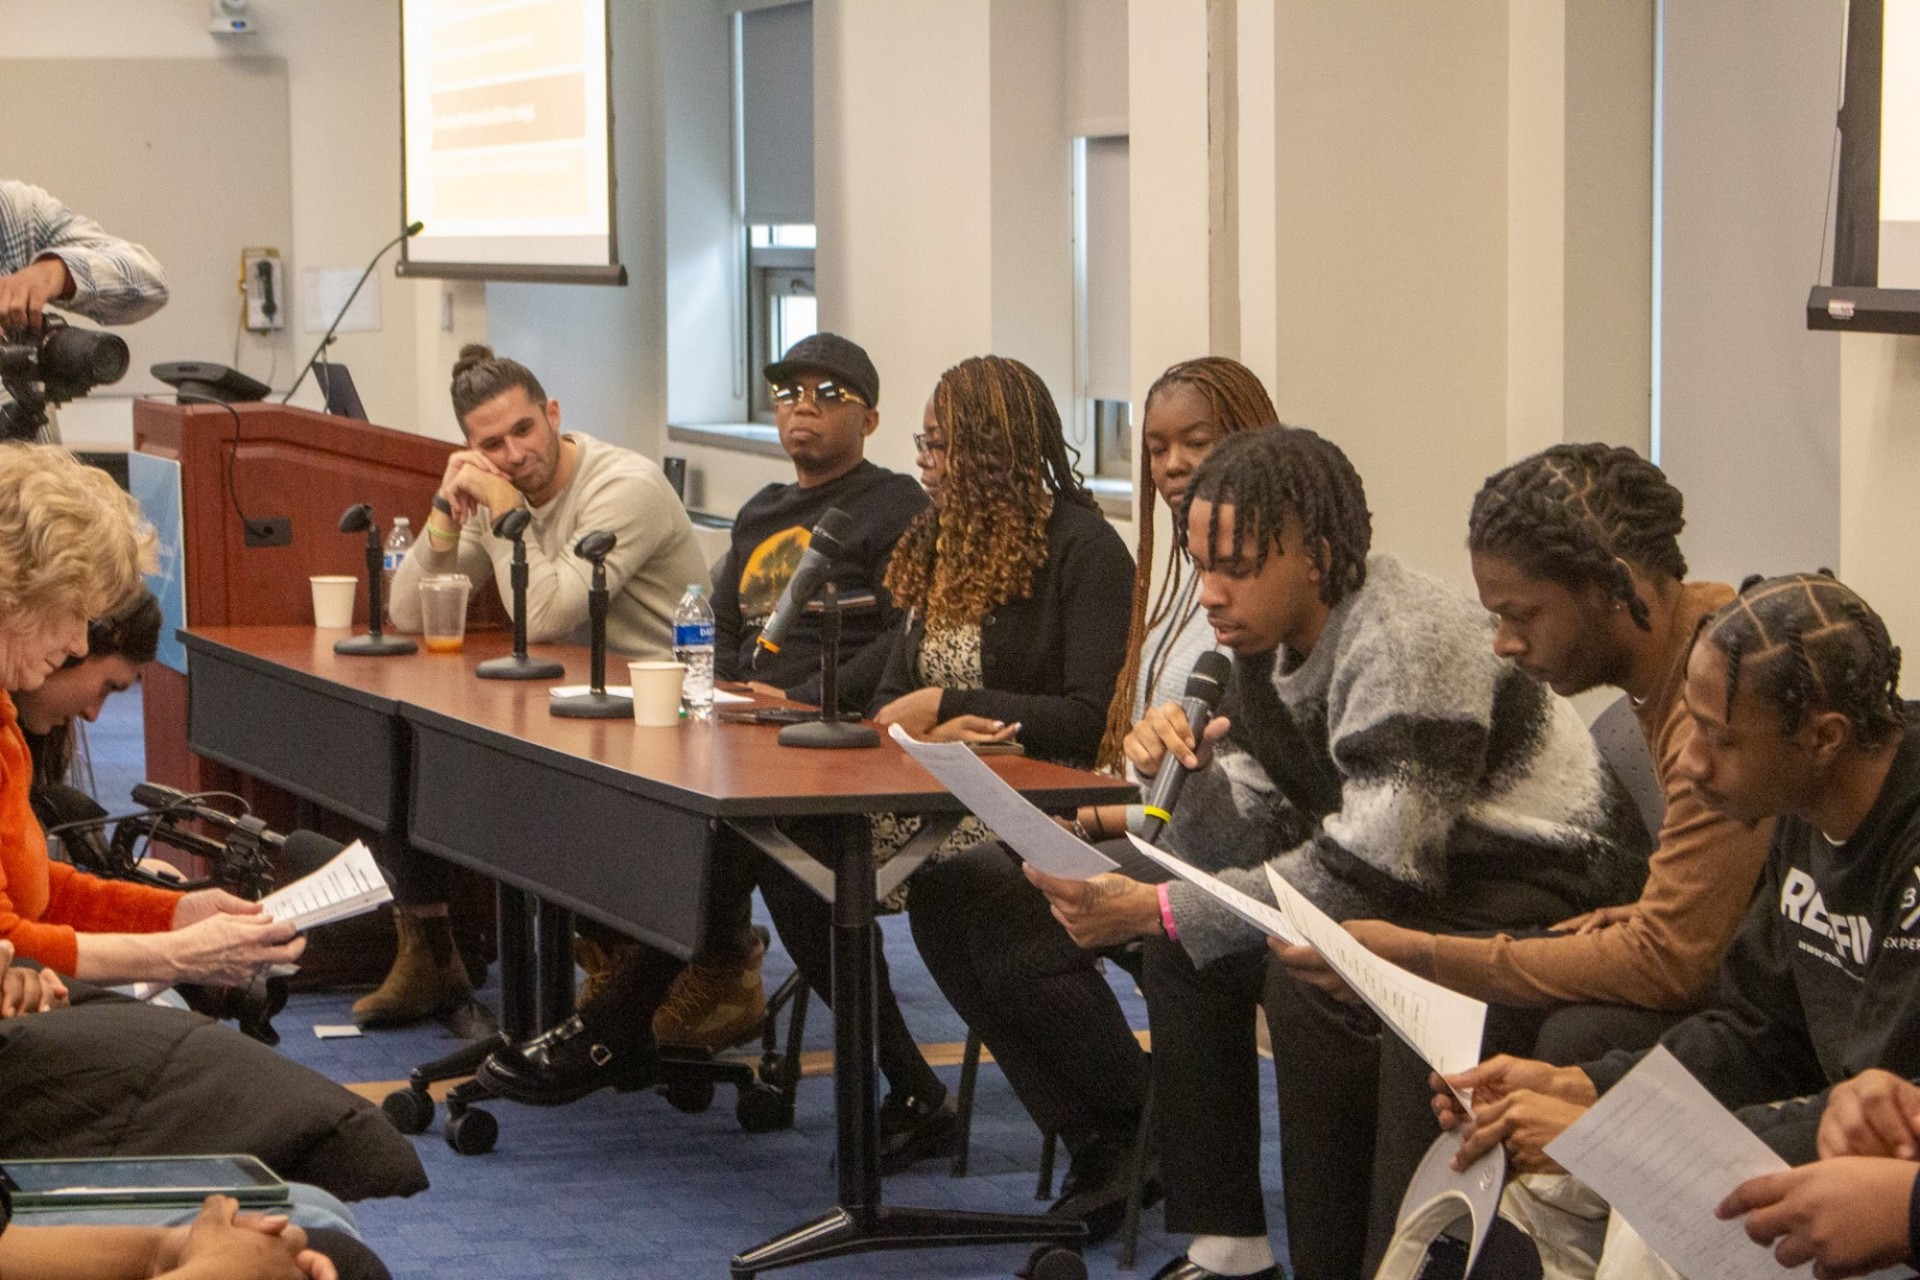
(349,885)
(1027,831)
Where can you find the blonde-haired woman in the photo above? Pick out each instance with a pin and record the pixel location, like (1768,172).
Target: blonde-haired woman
(73,547)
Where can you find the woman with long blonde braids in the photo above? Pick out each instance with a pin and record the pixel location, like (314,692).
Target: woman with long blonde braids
(1014,593)
(1040,1002)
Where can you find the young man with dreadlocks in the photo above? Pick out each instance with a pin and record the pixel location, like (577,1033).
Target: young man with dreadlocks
(1576,555)
(1041,1004)
(1792,689)
(1373,750)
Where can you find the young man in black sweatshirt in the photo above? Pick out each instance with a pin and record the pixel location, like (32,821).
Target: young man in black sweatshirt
(825,393)
(1793,691)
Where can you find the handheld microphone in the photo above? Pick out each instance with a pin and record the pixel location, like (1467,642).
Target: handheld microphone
(1199,700)
(412,229)
(823,547)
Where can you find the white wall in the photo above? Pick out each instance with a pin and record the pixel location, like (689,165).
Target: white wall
(343,85)
(1750,399)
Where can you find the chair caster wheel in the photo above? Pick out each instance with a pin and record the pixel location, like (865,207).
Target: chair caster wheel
(472,1132)
(690,1094)
(410,1110)
(1052,1262)
(762,1109)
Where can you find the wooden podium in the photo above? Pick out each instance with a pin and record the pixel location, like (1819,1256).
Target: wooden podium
(288,463)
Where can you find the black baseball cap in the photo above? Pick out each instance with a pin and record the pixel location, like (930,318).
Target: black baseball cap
(830,353)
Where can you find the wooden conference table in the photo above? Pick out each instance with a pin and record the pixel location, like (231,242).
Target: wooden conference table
(608,819)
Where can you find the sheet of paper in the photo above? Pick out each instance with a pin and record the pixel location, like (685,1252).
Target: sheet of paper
(349,885)
(1663,1153)
(720,696)
(1027,831)
(1444,1027)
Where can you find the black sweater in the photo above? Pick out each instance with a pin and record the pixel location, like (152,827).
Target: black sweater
(1823,979)
(1049,661)
(770,535)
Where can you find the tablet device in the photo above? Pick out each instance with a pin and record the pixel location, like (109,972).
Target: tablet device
(140,1180)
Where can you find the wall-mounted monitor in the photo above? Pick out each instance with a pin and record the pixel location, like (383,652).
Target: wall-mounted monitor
(1876,246)
(507,140)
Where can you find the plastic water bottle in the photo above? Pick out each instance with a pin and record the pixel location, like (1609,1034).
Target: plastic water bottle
(399,542)
(693,647)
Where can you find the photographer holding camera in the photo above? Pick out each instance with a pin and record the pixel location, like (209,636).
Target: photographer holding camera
(50,254)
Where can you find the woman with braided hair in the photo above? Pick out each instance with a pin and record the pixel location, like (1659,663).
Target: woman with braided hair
(1040,1003)
(1792,688)
(1014,594)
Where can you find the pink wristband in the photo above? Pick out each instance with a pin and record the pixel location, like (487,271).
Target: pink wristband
(1166,915)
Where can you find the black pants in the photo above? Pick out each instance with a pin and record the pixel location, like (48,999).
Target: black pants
(1036,999)
(418,879)
(805,922)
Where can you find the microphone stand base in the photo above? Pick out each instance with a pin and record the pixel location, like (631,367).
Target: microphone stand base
(371,646)
(829,734)
(591,706)
(519,668)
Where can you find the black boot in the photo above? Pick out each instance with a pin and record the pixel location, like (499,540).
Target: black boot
(566,1063)
(1096,1187)
(915,1128)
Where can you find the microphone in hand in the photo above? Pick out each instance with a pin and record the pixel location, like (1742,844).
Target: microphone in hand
(1199,700)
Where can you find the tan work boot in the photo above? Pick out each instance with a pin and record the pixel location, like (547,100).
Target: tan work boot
(714,1006)
(428,977)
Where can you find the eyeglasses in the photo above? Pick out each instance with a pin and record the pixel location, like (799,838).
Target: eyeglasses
(825,393)
(926,444)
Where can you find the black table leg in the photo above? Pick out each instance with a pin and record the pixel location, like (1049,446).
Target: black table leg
(859,1223)
(554,961)
(518,1007)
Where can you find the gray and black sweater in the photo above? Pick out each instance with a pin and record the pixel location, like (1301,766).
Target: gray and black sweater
(1403,772)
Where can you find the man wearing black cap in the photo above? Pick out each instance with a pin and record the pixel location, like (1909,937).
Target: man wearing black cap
(824,391)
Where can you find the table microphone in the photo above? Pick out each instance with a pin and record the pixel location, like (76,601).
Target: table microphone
(1199,700)
(355,519)
(513,526)
(596,703)
(824,546)
(412,229)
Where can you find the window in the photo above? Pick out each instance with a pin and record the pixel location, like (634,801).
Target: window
(773,62)
(781,308)
(1103,309)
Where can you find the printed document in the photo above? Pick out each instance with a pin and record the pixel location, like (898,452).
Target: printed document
(349,885)
(1443,1026)
(1027,831)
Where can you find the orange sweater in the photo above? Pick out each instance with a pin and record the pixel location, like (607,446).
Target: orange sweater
(42,902)
(1699,881)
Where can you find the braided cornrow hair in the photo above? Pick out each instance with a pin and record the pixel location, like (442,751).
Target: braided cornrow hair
(1008,462)
(1239,403)
(1808,643)
(1578,515)
(1269,476)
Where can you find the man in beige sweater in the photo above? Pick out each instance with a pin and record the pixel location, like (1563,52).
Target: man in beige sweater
(572,484)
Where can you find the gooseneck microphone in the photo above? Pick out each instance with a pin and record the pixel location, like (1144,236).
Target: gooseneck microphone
(1199,700)
(824,546)
(513,527)
(358,518)
(596,703)
(412,229)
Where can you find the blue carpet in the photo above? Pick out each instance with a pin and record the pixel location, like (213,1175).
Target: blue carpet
(625,1185)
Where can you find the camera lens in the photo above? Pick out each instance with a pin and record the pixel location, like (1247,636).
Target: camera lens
(82,358)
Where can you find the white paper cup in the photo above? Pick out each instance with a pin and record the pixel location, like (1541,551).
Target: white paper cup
(333,600)
(656,692)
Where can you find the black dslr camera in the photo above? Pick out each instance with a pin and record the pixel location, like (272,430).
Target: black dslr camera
(58,364)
